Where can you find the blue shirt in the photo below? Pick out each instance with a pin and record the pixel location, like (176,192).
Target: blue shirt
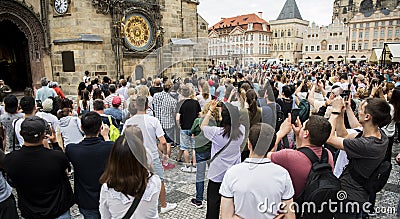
(45,92)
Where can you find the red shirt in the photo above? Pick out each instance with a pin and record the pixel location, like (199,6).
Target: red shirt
(59,92)
(298,165)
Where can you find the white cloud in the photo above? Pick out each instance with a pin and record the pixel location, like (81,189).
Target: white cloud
(318,11)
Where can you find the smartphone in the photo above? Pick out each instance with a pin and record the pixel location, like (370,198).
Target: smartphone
(48,130)
(295,114)
(38,103)
(219,104)
(345,94)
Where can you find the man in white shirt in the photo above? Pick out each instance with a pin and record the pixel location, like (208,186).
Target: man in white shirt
(152,130)
(257,188)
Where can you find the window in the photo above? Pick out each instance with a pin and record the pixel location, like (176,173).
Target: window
(281,46)
(360,35)
(383,23)
(275,47)
(359,46)
(282,34)
(361,25)
(397,33)
(336,47)
(398,22)
(354,34)
(289,33)
(312,48)
(330,47)
(374,44)
(367,25)
(251,37)
(381,44)
(276,34)
(365,46)
(390,23)
(382,33)
(288,46)
(343,47)
(390,33)
(376,24)
(306,48)
(375,34)
(354,25)
(259,37)
(353,46)
(317,48)
(367,34)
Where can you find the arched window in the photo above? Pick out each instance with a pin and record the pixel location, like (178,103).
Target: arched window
(288,46)
(289,33)
(275,47)
(281,46)
(282,34)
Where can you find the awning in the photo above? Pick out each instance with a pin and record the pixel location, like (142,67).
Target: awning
(395,51)
(356,59)
(376,55)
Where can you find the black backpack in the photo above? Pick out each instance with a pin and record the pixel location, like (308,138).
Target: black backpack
(279,116)
(321,186)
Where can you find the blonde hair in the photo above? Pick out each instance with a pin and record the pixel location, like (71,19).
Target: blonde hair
(143,91)
(215,113)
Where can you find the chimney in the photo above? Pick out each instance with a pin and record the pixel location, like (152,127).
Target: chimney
(260,14)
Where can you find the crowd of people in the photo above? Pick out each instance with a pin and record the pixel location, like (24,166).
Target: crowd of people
(261,130)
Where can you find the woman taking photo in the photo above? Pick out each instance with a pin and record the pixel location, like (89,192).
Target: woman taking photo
(226,141)
(127,178)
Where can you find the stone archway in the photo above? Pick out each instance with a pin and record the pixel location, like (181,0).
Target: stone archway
(27,21)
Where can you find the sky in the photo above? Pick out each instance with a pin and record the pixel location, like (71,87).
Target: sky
(318,11)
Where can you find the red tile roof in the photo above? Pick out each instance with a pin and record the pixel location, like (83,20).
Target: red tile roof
(241,20)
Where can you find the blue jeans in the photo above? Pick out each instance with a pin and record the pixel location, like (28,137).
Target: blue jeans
(66,215)
(90,214)
(201,160)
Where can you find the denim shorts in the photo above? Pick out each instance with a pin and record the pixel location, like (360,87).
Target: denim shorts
(187,142)
(158,169)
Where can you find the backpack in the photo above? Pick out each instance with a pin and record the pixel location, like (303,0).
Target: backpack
(278,115)
(377,179)
(321,186)
(304,107)
(286,106)
(114,132)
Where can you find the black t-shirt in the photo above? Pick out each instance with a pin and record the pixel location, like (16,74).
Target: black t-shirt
(154,90)
(189,110)
(89,159)
(40,178)
(366,154)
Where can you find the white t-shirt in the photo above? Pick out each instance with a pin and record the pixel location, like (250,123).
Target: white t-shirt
(254,185)
(151,130)
(114,204)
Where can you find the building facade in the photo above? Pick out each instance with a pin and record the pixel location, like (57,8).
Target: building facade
(60,39)
(325,44)
(367,32)
(288,33)
(240,40)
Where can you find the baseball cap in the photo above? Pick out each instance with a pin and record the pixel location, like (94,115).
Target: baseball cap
(116,101)
(47,105)
(32,129)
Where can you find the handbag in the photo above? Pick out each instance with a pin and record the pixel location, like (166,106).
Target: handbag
(133,207)
(219,152)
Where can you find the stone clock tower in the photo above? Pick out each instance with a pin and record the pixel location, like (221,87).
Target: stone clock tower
(60,39)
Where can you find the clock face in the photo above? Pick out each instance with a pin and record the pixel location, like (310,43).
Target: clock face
(61,6)
(138,32)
